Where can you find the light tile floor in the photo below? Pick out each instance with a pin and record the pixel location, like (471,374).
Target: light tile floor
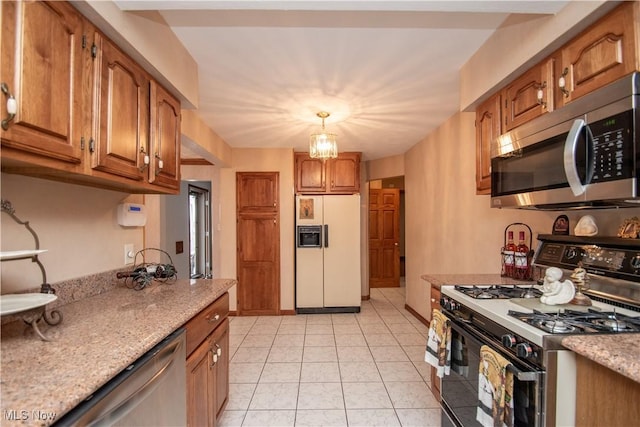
(364,369)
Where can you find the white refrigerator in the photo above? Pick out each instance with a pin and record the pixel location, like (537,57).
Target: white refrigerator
(328,253)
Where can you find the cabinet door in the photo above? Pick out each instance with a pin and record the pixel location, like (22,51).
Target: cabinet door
(201,386)
(165,138)
(42,68)
(529,96)
(121,112)
(220,346)
(257,192)
(344,173)
(310,174)
(602,54)
(487,129)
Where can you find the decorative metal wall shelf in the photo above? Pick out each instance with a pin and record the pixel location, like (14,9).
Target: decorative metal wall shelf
(30,307)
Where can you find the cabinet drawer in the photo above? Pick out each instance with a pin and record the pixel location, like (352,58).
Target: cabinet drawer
(206,321)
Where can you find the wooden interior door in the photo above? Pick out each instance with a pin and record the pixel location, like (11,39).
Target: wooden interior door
(384,238)
(258,234)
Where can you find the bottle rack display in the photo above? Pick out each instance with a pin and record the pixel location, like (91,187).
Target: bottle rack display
(516,258)
(30,306)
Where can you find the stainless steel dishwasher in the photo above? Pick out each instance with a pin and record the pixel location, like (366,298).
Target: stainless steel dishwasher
(149,392)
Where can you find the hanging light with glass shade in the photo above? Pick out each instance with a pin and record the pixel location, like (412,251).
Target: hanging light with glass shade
(323,145)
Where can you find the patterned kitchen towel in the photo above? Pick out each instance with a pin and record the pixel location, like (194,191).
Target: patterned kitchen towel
(495,390)
(438,352)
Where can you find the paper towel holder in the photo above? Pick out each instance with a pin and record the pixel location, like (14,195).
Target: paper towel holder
(132,215)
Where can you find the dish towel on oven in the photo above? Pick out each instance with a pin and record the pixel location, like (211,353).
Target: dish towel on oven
(495,390)
(438,352)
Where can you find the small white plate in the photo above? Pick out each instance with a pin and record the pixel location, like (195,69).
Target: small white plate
(20,254)
(15,303)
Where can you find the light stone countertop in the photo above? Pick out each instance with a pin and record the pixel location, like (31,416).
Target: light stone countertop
(99,336)
(438,280)
(618,352)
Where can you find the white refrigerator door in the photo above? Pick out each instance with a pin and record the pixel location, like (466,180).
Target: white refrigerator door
(309,261)
(342,286)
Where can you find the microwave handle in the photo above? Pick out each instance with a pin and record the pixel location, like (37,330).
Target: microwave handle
(570,169)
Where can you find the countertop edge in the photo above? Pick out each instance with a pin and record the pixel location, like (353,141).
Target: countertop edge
(613,351)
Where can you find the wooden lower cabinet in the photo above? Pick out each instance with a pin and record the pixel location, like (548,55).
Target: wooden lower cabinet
(605,397)
(208,366)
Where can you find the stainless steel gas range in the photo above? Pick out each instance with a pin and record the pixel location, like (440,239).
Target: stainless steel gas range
(511,320)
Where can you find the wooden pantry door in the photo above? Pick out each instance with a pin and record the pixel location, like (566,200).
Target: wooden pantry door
(258,243)
(384,237)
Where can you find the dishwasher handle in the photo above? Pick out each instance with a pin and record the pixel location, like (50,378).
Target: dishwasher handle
(127,391)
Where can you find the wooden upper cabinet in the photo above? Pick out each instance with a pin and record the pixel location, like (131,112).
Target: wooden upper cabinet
(344,173)
(487,129)
(310,174)
(42,68)
(529,96)
(257,192)
(165,138)
(334,176)
(121,112)
(600,55)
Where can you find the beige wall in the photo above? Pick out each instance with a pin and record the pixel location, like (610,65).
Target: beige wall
(385,168)
(77,225)
(449,229)
(259,160)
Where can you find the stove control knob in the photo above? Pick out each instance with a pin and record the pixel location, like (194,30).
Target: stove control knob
(524,350)
(571,253)
(508,340)
(635,262)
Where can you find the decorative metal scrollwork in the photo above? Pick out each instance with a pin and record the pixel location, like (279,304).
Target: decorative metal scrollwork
(32,317)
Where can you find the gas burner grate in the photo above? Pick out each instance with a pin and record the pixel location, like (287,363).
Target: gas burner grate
(499,291)
(571,321)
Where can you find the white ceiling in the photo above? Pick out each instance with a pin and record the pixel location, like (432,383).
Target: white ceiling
(387,71)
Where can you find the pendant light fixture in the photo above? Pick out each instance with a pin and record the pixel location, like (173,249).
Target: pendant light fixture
(323,145)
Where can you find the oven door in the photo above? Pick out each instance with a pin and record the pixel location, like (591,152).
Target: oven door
(460,389)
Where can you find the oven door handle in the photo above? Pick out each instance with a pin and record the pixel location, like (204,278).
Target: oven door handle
(522,375)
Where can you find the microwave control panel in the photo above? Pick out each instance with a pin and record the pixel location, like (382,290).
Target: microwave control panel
(613,147)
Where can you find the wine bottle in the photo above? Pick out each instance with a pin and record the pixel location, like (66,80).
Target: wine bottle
(521,258)
(508,254)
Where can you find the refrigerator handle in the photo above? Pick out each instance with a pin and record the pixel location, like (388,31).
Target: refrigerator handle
(326,235)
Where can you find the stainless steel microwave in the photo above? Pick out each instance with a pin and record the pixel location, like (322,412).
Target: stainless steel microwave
(583,155)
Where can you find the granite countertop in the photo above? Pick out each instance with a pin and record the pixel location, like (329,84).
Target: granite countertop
(99,336)
(618,352)
(438,280)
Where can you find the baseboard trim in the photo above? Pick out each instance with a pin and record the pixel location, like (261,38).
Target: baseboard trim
(365,297)
(415,313)
(325,310)
(282,313)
